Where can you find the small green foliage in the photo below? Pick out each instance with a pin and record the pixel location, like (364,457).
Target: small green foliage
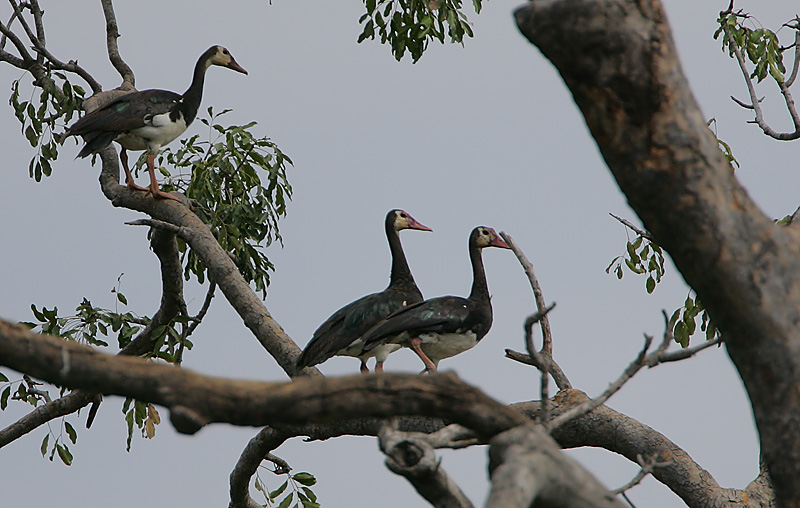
(686,325)
(642,256)
(239,181)
(58,445)
(408,25)
(759,45)
(89,323)
(58,101)
(298,496)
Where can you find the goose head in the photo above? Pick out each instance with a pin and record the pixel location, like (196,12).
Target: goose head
(401,220)
(218,55)
(484,236)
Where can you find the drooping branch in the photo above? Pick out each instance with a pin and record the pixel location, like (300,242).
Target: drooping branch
(619,61)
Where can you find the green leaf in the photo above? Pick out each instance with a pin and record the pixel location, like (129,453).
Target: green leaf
(45,442)
(3,377)
(286,501)
(73,436)
(4,398)
(64,454)
(651,285)
(277,492)
(306,479)
(122,298)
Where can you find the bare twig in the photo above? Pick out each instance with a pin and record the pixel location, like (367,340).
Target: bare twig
(543,359)
(4,38)
(647,467)
(682,354)
(629,224)
(198,318)
(112,34)
(642,359)
(796,64)
(281,466)
(547,340)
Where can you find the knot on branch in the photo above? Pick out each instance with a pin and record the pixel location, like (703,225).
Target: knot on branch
(408,457)
(186,420)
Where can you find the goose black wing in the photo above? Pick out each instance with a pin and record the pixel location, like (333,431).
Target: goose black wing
(121,115)
(446,314)
(347,324)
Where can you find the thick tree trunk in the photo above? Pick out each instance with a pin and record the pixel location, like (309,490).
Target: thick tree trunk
(618,59)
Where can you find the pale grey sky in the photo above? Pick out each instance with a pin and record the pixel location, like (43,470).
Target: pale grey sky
(485,134)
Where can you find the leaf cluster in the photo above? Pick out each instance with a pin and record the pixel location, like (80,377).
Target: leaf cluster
(299,495)
(408,25)
(28,392)
(58,101)
(89,323)
(239,180)
(143,416)
(686,326)
(761,45)
(641,256)
(59,445)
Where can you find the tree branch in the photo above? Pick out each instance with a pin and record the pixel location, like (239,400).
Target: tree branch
(412,457)
(619,61)
(112,34)
(526,465)
(220,267)
(755,104)
(195,400)
(166,249)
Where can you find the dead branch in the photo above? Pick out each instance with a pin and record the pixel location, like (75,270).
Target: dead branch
(642,359)
(112,34)
(415,459)
(632,227)
(526,465)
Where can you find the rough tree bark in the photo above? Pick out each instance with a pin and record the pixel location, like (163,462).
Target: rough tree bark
(619,61)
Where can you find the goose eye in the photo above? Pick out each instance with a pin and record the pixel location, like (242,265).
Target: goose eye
(224,51)
(403,215)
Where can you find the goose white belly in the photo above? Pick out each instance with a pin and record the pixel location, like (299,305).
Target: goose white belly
(159,131)
(380,352)
(438,346)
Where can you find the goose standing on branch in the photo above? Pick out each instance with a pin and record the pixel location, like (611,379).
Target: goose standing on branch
(148,120)
(339,334)
(446,326)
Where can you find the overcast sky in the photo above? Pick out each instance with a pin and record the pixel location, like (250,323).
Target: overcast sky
(484,134)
